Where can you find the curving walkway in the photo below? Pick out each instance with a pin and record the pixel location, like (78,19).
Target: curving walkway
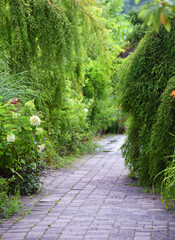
(94,200)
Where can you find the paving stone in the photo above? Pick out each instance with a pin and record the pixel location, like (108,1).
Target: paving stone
(143,238)
(96,238)
(93,200)
(11,237)
(16,235)
(50,236)
(70,238)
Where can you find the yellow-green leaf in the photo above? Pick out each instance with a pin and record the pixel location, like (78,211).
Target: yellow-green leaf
(167,25)
(137,1)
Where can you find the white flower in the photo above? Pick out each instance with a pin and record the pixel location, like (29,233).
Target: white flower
(85,109)
(35,121)
(11,137)
(41,147)
(39,131)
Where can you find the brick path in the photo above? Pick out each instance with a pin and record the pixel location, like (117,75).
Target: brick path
(94,200)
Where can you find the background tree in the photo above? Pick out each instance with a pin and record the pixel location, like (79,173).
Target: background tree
(131,5)
(157,13)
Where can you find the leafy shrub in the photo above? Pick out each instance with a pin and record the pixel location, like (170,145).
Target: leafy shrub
(98,91)
(8,204)
(168,185)
(138,31)
(3,193)
(71,128)
(21,140)
(57,60)
(30,181)
(145,89)
(162,141)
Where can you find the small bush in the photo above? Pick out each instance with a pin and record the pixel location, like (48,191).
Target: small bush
(21,142)
(71,129)
(8,204)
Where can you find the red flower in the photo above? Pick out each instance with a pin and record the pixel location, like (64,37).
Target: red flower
(14,100)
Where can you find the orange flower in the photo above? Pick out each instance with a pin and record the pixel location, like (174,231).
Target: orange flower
(173,94)
(162,19)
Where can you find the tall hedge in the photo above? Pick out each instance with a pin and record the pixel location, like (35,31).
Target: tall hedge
(145,87)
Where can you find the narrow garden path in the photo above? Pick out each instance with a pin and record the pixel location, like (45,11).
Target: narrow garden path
(92,200)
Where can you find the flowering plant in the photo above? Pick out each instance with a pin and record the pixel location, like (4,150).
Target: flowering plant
(22,142)
(35,121)
(11,137)
(173,94)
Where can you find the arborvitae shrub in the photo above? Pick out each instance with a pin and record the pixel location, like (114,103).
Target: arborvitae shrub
(145,94)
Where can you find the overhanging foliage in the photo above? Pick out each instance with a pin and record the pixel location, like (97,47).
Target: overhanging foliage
(145,89)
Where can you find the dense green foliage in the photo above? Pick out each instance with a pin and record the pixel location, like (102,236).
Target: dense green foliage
(130,5)
(138,31)
(46,40)
(157,13)
(146,84)
(115,21)
(59,56)
(50,41)
(168,184)
(56,43)
(22,143)
(8,204)
(58,61)
(99,88)
(11,85)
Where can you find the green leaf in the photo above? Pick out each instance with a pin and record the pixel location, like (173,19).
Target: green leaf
(167,25)
(16,173)
(27,128)
(7,126)
(137,1)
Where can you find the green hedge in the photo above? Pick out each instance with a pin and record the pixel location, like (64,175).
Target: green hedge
(145,87)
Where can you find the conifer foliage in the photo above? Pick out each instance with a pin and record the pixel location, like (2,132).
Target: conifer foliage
(146,90)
